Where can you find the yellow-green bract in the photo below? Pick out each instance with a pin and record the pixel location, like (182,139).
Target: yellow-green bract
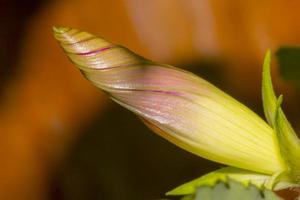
(190,112)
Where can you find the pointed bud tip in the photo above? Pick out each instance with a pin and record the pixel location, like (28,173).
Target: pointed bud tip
(60,29)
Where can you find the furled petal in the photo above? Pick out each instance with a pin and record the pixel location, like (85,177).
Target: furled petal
(184,108)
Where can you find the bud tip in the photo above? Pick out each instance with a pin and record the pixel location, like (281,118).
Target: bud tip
(60,29)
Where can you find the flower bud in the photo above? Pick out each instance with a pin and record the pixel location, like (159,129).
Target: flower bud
(176,104)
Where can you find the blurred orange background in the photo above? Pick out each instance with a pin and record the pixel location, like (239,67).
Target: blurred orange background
(62,139)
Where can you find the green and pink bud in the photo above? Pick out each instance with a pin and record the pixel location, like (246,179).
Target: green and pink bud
(180,106)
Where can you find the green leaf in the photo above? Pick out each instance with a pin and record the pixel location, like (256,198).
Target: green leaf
(268,95)
(288,142)
(289,64)
(188,197)
(243,176)
(233,190)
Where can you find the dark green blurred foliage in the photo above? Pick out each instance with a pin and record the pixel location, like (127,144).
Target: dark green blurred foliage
(289,64)
(119,158)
